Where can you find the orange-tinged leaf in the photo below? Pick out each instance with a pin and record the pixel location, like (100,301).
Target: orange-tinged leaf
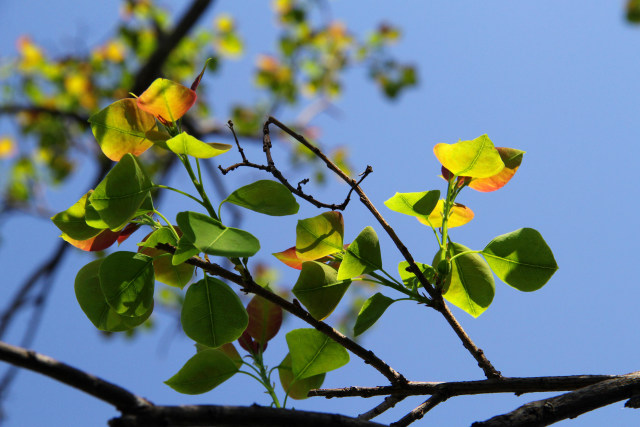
(123,128)
(290,257)
(476,158)
(167,99)
(512,159)
(97,243)
(458,215)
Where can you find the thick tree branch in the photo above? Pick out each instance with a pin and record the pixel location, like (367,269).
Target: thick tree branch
(296,309)
(569,405)
(223,416)
(99,388)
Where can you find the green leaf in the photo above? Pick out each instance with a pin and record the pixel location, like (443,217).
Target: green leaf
(72,222)
(297,389)
(410,280)
(212,313)
(265,196)
(94,305)
(477,158)
(362,256)
(470,284)
(127,281)
(206,370)
(187,144)
(370,312)
(521,259)
(313,353)
(414,204)
(92,217)
(121,128)
(319,236)
(165,271)
(211,237)
(121,193)
(318,288)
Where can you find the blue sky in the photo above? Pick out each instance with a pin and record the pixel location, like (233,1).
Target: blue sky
(556,79)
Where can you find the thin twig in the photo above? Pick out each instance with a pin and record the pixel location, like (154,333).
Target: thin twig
(296,309)
(419,412)
(388,403)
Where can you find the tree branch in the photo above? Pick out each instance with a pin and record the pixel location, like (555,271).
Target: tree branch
(388,403)
(518,385)
(99,388)
(569,405)
(296,309)
(419,412)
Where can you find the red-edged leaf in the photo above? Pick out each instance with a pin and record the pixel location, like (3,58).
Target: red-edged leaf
(290,257)
(265,319)
(97,243)
(512,159)
(458,215)
(249,344)
(167,100)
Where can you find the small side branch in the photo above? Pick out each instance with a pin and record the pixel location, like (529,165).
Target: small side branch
(115,395)
(296,309)
(419,412)
(388,403)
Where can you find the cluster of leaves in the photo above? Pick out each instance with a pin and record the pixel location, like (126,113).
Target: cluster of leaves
(117,292)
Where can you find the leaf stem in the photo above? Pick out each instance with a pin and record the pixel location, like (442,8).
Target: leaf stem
(173,230)
(198,184)
(465,253)
(413,295)
(166,187)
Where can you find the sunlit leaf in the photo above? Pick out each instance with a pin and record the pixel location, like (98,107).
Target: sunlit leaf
(93,303)
(290,258)
(470,284)
(211,237)
(165,271)
(300,388)
(458,215)
(318,288)
(313,353)
(122,128)
(127,281)
(265,319)
(212,314)
(414,204)
(120,194)
(167,99)
(477,158)
(512,159)
(186,144)
(265,196)
(72,222)
(206,370)
(410,280)
(371,311)
(319,236)
(363,256)
(521,259)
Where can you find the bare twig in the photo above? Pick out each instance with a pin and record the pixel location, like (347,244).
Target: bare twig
(388,403)
(296,309)
(419,412)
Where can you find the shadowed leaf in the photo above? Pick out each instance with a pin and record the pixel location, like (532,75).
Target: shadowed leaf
(300,388)
(313,353)
(206,370)
(319,236)
(318,289)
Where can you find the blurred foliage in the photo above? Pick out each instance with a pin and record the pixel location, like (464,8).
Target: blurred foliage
(50,96)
